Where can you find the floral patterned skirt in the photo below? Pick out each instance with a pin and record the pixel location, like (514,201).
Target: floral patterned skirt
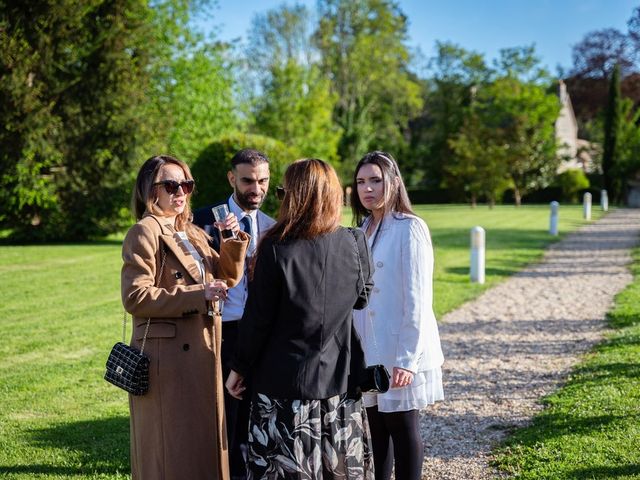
(309,439)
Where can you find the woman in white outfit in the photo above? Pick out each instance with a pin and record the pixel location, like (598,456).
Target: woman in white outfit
(398,328)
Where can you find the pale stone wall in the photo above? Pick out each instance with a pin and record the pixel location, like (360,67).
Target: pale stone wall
(566,126)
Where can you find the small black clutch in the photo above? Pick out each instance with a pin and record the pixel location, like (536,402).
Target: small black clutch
(376,379)
(128,368)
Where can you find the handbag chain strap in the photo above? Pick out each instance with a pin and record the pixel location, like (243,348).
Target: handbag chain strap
(146,330)
(366,295)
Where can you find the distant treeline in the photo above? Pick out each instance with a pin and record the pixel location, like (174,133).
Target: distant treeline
(89,89)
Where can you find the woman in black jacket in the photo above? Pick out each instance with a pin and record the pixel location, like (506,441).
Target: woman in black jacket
(295,336)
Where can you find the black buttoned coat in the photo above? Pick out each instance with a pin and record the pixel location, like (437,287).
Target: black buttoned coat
(295,334)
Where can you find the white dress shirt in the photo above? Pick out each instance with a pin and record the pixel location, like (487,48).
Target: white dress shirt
(237,296)
(194,253)
(398,328)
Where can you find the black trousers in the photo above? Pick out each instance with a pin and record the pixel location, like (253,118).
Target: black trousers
(396,436)
(237,411)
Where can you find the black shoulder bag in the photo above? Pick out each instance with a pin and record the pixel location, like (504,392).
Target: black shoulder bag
(128,367)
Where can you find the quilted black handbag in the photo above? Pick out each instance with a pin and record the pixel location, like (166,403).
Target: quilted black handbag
(128,367)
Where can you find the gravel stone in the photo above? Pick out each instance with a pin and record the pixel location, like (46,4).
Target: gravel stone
(518,342)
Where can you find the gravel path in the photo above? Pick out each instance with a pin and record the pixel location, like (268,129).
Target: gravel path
(517,342)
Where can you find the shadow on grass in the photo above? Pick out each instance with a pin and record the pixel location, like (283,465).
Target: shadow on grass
(506,239)
(498,272)
(556,425)
(603,374)
(10,242)
(514,239)
(95,446)
(619,471)
(622,319)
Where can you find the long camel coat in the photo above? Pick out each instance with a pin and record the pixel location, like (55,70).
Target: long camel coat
(177,427)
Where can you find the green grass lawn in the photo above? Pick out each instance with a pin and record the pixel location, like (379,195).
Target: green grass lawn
(515,237)
(591,427)
(60,313)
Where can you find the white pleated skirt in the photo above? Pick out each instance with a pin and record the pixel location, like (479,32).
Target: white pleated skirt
(425,389)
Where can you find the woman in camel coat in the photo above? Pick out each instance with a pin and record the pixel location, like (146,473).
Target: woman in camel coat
(177,427)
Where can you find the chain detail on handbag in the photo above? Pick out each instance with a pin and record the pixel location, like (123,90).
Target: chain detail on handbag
(127,367)
(376,378)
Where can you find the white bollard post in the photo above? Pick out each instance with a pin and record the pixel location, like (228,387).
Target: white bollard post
(586,206)
(553,218)
(477,255)
(604,200)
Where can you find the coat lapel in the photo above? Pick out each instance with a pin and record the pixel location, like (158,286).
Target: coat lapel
(170,239)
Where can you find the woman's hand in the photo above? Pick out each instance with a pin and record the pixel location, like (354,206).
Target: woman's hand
(235,384)
(230,223)
(401,377)
(216,290)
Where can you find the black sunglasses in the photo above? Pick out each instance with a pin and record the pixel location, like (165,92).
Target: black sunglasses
(280,192)
(171,186)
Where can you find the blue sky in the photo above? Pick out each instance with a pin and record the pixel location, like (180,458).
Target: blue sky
(482,25)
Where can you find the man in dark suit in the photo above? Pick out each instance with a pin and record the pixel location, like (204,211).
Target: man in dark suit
(249,178)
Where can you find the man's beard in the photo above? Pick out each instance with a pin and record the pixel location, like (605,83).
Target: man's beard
(243,201)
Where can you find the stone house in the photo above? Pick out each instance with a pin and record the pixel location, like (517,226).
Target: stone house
(573,150)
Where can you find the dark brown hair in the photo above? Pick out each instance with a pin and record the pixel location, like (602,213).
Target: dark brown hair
(312,203)
(396,198)
(250,156)
(145,197)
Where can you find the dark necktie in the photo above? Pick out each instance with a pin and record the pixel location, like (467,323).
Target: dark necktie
(246,226)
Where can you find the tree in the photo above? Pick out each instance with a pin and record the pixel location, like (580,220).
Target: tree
(198,101)
(192,93)
(613,116)
(522,116)
(296,107)
(593,60)
(517,115)
(457,74)
(599,51)
(72,83)
(364,54)
(628,162)
(571,181)
(480,161)
(507,131)
(295,104)
(279,36)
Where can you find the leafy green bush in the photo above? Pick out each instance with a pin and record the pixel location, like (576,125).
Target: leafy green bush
(571,182)
(211,167)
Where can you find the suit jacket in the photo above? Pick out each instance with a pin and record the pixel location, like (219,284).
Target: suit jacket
(400,307)
(203,217)
(177,428)
(295,335)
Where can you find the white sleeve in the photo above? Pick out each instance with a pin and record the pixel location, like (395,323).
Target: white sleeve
(417,293)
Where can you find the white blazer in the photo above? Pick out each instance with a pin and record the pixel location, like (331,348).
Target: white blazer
(400,312)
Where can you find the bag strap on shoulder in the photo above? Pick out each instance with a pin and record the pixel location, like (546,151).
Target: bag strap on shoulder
(146,330)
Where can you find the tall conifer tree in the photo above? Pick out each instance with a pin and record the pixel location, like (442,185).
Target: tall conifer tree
(611,130)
